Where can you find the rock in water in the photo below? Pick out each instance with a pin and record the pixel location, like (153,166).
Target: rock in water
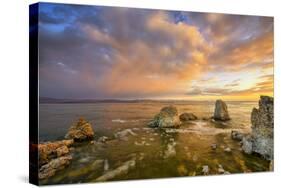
(53,166)
(167,118)
(247,144)
(124,134)
(271,165)
(53,156)
(50,150)
(106,165)
(171,150)
(205,169)
(81,131)
(187,117)
(121,170)
(91,168)
(214,146)
(221,112)
(227,150)
(261,139)
(235,135)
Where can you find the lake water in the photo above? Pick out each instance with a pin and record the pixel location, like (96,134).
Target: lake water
(158,153)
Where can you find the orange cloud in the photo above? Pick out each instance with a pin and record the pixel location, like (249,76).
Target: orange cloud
(142,68)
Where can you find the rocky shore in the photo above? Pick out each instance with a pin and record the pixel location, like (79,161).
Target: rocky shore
(57,155)
(260,140)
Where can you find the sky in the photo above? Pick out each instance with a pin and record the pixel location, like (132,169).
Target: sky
(96,52)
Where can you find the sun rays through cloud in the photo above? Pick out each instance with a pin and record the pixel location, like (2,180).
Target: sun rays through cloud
(103,52)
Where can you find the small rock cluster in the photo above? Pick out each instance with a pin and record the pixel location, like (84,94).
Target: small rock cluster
(168,116)
(54,156)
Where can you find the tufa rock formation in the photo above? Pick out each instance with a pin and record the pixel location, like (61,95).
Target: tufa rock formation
(261,139)
(221,112)
(187,117)
(167,118)
(81,131)
(50,150)
(53,166)
(53,156)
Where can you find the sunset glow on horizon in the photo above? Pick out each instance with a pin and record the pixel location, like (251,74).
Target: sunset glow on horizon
(98,52)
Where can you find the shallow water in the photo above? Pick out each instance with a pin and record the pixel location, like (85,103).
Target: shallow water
(158,153)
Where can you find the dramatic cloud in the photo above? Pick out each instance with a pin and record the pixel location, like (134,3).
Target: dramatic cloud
(105,52)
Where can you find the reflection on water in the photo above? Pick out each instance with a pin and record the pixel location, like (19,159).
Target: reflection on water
(158,153)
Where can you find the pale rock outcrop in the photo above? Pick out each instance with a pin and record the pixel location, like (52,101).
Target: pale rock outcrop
(53,156)
(80,131)
(92,167)
(123,135)
(167,118)
(121,170)
(53,166)
(171,150)
(221,112)
(205,169)
(50,150)
(261,139)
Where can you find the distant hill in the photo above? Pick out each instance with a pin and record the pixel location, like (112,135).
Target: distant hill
(50,100)
(54,100)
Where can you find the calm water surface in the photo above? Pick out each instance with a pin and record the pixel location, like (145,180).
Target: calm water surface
(191,144)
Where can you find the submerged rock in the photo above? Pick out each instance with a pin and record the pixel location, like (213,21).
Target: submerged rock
(221,112)
(227,150)
(205,169)
(89,168)
(106,165)
(206,118)
(220,169)
(261,139)
(187,117)
(81,131)
(182,170)
(167,118)
(271,165)
(235,135)
(214,146)
(171,150)
(123,135)
(121,170)
(103,139)
(53,166)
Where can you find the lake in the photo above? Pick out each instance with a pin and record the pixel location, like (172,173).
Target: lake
(157,153)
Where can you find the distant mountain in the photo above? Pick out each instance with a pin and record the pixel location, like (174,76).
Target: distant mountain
(43,100)
(54,100)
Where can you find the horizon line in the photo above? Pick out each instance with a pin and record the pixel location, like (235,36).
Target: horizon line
(136,99)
